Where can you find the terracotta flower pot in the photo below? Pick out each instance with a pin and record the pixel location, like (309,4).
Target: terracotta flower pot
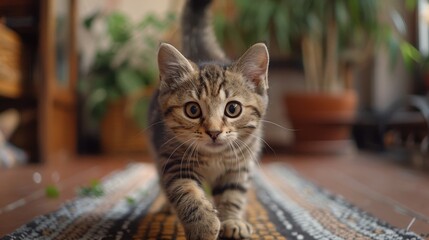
(321,121)
(119,133)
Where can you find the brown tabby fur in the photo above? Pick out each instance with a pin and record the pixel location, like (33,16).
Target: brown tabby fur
(213,149)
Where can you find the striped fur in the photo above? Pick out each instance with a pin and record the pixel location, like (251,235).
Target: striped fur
(206,128)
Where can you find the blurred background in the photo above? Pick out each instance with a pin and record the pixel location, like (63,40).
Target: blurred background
(345,76)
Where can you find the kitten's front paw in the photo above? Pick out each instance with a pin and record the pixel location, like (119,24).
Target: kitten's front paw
(235,229)
(207,229)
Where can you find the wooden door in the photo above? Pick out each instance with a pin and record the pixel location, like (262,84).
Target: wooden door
(57,115)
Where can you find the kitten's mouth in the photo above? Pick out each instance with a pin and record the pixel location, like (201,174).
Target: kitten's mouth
(215,144)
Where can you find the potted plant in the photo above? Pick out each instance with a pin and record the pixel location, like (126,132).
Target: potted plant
(122,73)
(333,37)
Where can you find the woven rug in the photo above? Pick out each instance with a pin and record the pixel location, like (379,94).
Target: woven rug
(282,205)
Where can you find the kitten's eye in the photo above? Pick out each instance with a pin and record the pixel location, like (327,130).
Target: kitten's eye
(233,109)
(192,110)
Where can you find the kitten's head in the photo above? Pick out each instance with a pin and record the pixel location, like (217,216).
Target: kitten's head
(210,106)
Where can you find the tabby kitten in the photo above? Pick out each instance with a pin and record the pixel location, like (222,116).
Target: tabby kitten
(206,127)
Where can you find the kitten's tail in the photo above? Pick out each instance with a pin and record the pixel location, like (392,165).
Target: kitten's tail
(198,37)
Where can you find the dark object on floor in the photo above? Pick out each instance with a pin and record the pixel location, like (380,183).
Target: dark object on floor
(402,129)
(282,205)
(405,127)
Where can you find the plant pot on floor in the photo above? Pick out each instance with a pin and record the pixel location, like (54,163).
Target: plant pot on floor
(322,121)
(119,133)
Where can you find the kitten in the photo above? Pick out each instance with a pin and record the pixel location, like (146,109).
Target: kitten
(206,127)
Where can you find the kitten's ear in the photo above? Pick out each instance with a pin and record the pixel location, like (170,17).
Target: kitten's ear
(253,64)
(172,65)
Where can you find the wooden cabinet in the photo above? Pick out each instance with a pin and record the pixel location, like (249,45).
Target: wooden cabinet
(47,91)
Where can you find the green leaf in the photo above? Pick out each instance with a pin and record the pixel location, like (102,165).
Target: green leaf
(171,17)
(410,54)
(219,23)
(146,21)
(96,103)
(130,200)
(341,14)
(410,4)
(51,191)
(103,60)
(353,10)
(94,189)
(314,25)
(281,24)
(83,86)
(129,80)
(87,22)
(393,48)
(207,189)
(151,42)
(113,93)
(118,26)
(264,15)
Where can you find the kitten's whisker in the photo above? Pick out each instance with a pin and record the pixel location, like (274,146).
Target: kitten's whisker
(173,153)
(191,155)
(241,150)
(257,162)
(251,153)
(194,143)
(242,154)
(266,143)
(141,132)
(192,147)
(171,139)
(197,156)
(278,125)
(153,124)
(236,157)
(246,146)
(183,156)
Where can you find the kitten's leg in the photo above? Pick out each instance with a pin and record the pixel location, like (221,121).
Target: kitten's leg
(196,213)
(230,197)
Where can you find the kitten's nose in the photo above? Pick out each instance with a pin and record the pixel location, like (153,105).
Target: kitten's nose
(213,134)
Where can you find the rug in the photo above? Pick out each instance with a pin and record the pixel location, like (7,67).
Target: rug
(282,205)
